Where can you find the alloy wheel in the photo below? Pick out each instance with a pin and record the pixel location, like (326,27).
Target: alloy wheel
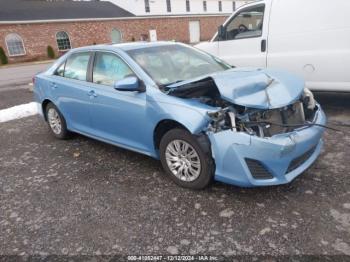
(183,160)
(54,121)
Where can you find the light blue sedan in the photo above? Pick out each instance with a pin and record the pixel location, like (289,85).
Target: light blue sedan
(202,118)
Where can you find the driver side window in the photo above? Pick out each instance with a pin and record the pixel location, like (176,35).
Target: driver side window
(108,68)
(246,24)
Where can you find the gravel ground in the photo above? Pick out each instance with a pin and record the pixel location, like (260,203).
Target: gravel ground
(82,196)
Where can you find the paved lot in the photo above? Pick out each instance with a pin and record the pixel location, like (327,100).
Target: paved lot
(20,75)
(14,83)
(15,96)
(81,196)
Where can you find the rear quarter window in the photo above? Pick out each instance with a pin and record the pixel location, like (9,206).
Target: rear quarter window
(60,70)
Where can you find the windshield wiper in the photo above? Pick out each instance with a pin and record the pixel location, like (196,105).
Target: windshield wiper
(164,86)
(172,83)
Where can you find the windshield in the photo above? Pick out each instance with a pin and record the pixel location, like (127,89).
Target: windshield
(174,63)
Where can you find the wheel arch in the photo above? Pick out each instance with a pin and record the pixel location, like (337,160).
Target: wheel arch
(166,125)
(44,105)
(163,127)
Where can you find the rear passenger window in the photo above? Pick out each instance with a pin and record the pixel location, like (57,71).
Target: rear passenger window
(77,66)
(109,68)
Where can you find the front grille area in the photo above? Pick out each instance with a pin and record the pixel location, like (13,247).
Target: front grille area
(286,119)
(297,162)
(257,170)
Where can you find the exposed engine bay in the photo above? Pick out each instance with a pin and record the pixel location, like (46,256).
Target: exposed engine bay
(258,122)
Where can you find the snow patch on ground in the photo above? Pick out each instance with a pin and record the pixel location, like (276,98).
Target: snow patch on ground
(18,112)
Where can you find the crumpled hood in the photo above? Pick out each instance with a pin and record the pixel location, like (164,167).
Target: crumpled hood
(255,88)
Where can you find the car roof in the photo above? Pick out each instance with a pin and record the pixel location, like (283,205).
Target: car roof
(125,46)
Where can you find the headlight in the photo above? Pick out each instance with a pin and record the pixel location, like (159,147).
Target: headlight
(309,99)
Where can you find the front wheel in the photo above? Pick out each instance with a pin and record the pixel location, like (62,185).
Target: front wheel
(185,161)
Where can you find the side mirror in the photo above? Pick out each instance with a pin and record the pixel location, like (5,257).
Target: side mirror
(221,32)
(130,83)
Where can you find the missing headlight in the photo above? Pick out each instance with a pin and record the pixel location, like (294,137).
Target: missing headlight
(222,120)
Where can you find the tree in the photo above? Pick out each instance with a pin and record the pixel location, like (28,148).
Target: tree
(50,52)
(3,57)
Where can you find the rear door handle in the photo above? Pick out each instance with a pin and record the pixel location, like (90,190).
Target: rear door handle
(92,93)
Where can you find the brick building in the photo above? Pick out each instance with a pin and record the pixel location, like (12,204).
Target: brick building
(28,27)
(179,7)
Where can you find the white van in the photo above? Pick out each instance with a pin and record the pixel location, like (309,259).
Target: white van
(308,37)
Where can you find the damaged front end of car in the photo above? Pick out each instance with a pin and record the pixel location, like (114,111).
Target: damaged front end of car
(264,122)
(266,127)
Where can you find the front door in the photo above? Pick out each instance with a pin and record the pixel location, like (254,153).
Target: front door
(117,116)
(245,41)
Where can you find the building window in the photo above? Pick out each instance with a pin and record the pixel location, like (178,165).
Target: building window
(15,46)
(188,7)
(204,6)
(220,6)
(147,7)
(233,6)
(168,6)
(63,41)
(116,36)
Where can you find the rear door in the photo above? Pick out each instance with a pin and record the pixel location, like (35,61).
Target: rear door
(245,40)
(69,86)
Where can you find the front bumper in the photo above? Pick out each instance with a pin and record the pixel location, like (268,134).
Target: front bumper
(250,161)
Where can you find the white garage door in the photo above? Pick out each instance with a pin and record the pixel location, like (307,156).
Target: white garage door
(195,31)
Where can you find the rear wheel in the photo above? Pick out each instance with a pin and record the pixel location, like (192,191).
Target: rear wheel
(184,160)
(56,122)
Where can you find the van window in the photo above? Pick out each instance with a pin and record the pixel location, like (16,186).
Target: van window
(247,23)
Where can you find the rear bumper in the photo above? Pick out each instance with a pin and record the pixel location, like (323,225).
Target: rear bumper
(40,109)
(251,161)
(38,100)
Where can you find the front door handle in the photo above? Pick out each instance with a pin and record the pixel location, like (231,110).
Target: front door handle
(92,93)
(263,45)
(53,85)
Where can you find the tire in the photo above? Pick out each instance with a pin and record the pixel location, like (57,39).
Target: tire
(194,169)
(56,122)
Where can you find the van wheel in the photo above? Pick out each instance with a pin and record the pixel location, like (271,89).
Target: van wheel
(184,160)
(56,122)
